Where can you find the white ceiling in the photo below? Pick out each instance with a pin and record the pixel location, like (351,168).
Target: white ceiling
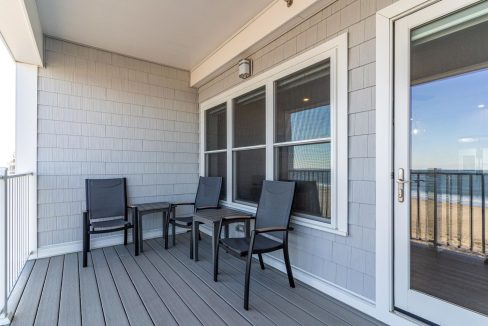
(179,33)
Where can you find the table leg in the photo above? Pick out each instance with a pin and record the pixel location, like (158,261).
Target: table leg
(141,237)
(248,228)
(135,215)
(226,230)
(195,231)
(165,229)
(215,239)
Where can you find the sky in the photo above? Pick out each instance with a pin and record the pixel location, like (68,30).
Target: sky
(449,123)
(7,105)
(311,124)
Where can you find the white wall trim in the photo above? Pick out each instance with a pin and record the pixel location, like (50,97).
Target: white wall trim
(101,242)
(26,137)
(384,153)
(276,15)
(337,51)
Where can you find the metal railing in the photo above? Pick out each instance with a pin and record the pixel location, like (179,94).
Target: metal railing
(313,189)
(448,208)
(15,206)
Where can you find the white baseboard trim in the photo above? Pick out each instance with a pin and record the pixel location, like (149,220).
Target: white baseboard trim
(317,282)
(107,241)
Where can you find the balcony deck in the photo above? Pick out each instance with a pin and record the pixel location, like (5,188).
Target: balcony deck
(165,287)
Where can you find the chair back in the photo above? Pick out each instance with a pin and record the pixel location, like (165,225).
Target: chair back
(274,208)
(208,192)
(106,197)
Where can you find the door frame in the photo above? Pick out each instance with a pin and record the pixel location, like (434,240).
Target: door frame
(385,173)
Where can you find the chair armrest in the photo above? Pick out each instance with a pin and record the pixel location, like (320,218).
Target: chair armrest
(208,207)
(270,229)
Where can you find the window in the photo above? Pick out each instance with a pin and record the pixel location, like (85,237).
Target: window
(288,123)
(302,138)
(249,146)
(216,144)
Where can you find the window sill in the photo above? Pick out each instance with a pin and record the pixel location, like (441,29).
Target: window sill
(297,220)
(317,225)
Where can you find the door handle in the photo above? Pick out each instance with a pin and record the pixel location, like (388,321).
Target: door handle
(401,185)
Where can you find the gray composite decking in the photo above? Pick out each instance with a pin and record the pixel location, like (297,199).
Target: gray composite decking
(458,278)
(165,287)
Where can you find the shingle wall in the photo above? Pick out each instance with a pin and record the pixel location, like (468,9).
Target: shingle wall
(104,115)
(349,261)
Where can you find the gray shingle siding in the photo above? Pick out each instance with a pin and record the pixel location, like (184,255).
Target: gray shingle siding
(104,115)
(349,261)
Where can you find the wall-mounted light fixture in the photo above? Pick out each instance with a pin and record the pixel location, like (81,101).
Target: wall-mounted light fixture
(245,68)
(288,3)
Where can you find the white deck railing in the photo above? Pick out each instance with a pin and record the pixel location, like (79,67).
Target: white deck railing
(15,206)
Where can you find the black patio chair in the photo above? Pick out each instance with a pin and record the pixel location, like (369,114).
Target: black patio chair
(270,233)
(106,211)
(208,195)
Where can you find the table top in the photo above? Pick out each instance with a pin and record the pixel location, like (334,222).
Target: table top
(214,215)
(152,206)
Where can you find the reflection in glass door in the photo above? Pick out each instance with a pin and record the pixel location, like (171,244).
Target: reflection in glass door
(445,170)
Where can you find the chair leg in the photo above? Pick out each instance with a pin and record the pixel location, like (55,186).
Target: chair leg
(216,261)
(261,262)
(174,233)
(288,266)
(125,237)
(248,276)
(191,245)
(86,239)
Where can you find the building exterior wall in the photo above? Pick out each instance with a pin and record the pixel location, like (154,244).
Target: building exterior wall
(348,262)
(103,115)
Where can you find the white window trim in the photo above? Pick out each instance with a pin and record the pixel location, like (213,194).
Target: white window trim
(337,51)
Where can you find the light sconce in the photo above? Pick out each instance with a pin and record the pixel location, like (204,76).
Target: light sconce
(245,68)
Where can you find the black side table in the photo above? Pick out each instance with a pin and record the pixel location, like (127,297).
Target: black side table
(148,208)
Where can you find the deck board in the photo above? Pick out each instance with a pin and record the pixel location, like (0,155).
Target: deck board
(47,314)
(156,308)
(254,316)
(133,305)
(233,266)
(263,301)
(113,310)
(27,308)
(329,309)
(69,307)
(91,306)
(226,312)
(200,308)
(180,311)
(165,287)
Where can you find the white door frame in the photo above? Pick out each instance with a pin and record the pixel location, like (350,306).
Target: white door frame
(385,190)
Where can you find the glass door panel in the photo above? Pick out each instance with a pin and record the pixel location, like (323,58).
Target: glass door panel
(441,140)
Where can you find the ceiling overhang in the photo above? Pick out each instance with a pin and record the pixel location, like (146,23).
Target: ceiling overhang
(21,30)
(265,27)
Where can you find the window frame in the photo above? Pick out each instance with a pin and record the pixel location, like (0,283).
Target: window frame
(336,50)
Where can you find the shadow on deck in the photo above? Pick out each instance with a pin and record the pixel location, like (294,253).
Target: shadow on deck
(165,287)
